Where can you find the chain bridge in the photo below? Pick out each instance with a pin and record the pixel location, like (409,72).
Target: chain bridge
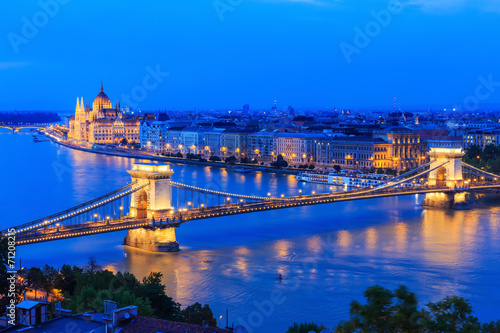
(152,206)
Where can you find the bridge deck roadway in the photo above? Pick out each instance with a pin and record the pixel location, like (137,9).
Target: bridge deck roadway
(91,228)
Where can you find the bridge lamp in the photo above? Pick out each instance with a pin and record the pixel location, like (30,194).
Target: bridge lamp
(95,217)
(202,205)
(269,194)
(241,200)
(228,199)
(313,192)
(107,218)
(282,195)
(189,204)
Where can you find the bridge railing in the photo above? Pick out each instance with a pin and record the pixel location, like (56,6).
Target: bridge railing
(79,209)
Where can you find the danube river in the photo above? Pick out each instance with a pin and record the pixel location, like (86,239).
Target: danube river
(327,254)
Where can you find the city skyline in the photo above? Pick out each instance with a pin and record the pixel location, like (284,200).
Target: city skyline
(216,55)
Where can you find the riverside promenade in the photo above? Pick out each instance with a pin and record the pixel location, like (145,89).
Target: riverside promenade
(151,156)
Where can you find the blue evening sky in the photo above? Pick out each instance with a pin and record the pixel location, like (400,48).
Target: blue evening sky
(224,53)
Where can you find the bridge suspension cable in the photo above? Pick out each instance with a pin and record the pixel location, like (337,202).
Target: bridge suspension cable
(391,184)
(226,194)
(411,171)
(481,172)
(80,209)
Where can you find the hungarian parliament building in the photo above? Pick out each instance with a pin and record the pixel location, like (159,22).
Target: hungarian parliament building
(102,124)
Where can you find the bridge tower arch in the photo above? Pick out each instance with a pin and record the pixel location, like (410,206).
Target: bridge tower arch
(156,198)
(449,174)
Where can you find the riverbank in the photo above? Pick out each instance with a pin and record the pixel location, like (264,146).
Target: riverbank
(158,158)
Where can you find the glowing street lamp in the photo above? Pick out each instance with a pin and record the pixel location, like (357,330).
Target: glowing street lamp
(121,211)
(300,193)
(95,217)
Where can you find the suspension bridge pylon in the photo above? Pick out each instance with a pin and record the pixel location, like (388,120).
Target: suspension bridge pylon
(446,166)
(153,202)
(450,173)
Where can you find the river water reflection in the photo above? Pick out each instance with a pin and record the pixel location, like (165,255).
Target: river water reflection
(328,254)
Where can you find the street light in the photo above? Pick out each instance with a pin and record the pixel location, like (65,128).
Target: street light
(300,193)
(95,217)
(121,211)
(282,195)
(313,192)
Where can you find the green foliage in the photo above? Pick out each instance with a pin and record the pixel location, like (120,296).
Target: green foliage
(280,162)
(397,311)
(231,160)
(66,279)
(164,306)
(193,156)
(199,315)
(247,160)
(86,289)
(484,159)
(215,158)
(452,314)
(337,168)
(305,328)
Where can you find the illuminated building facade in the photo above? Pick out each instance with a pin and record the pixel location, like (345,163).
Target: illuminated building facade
(101,123)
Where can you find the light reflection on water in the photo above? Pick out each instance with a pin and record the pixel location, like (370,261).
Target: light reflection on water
(327,254)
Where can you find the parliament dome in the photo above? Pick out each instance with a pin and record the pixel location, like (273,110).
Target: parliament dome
(101,101)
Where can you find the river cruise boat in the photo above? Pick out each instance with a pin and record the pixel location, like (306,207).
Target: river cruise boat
(356,180)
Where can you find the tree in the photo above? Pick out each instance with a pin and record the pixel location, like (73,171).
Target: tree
(452,314)
(124,142)
(34,279)
(215,158)
(380,171)
(231,160)
(179,154)
(337,168)
(474,153)
(92,265)
(280,162)
(164,306)
(49,276)
(66,279)
(198,315)
(305,328)
(311,166)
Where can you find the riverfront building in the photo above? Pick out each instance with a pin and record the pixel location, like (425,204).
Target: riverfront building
(101,123)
